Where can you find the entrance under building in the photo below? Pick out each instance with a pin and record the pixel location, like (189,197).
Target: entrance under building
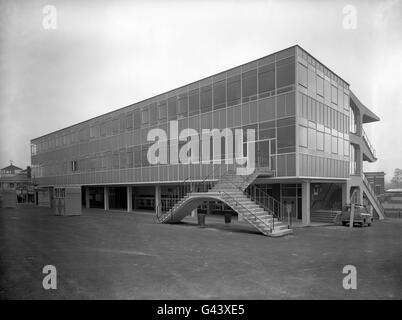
(118,198)
(326,201)
(96,197)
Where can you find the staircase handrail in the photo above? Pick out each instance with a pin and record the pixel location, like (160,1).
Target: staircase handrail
(267,196)
(244,207)
(365,138)
(373,195)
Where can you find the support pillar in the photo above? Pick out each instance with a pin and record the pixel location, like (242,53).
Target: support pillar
(209,208)
(129,198)
(158,201)
(106,197)
(306,197)
(360,195)
(345,194)
(87,198)
(195,211)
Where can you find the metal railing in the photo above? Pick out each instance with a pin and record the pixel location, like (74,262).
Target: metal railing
(168,203)
(235,203)
(373,195)
(367,140)
(259,196)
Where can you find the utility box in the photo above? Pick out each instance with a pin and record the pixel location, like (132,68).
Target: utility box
(43,197)
(67,201)
(8,199)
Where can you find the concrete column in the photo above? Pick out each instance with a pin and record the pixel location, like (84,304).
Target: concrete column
(345,194)
(129,198)
(87,202)
(106,197)
(306,203)
(195,211)
(360,195)
(209,208)
(158,201)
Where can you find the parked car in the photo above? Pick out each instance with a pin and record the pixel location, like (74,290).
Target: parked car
(361,216)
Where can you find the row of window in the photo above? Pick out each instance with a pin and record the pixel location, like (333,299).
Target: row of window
(311,61)
(320,86)
(283,129)
(260,82)
(320,113)
(269,108)
(321,141)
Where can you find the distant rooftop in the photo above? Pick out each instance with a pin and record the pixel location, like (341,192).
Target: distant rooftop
(11,168)
(394,190)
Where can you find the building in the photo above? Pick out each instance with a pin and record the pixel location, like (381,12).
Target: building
(10,170)
(16,182)
(377,181)
(392,203)
(309,146)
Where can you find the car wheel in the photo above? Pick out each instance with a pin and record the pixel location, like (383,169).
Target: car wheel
(343,223)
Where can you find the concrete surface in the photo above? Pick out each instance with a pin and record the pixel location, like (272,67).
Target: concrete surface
(116,255)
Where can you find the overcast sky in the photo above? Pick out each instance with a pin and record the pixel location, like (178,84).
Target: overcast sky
(104,55)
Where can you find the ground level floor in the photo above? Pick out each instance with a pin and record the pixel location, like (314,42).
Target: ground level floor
(304,201)
(115,255)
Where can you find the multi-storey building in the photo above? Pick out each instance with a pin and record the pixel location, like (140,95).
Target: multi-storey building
(308,139)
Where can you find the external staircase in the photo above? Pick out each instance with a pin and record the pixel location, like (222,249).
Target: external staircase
(259,209)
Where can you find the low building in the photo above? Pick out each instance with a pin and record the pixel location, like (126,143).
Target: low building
(392,203)
(377,181)
(14,180)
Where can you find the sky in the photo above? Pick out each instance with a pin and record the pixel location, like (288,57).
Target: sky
(81,59)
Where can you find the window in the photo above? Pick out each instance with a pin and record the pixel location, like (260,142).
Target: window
(312,140)
(327,145)
(194,102)
(286,135)
(266,130)
(345,101)
(286,139)
(220,94)
(144,116)
(266,109)
(302,75)
(312,82)
(206,98)
(162,111)
(153,111)
(129,119)
(74,166)
(320,86)
(115,126)
(334,94)
(334,145)
(340,148)
(137,119)
(183,105)
(249,85)
(303,136)
(266,79)
(233,91)
(172,108)
(285,72)
(327,91)
(320,141)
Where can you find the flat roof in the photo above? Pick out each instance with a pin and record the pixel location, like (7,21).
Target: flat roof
(188,84)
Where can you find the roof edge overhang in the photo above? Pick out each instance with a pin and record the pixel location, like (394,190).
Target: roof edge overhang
(367,114)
